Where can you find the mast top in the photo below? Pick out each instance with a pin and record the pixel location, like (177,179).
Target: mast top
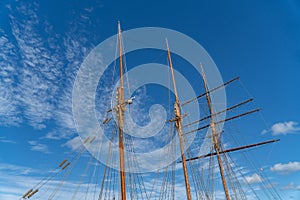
(119,27)
(172,71)
(121,54)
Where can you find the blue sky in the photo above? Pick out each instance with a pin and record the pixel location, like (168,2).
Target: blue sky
(44,43)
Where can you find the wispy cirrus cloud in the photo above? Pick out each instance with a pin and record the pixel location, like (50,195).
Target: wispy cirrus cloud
(38,68)
(74,143)
(36,74)
(8,102)
(15,169)
(291,186)
(36,146)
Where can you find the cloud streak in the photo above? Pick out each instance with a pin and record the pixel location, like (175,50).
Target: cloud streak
(4,140)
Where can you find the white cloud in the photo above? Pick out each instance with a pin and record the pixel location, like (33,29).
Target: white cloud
(283,128)
(14,184)
(254,178)
(264,131)
(35,146)
(291,186)
(74,143)
(286,168)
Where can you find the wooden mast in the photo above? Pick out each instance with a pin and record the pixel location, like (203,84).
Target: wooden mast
(178,123)
(120,114)
(215,135)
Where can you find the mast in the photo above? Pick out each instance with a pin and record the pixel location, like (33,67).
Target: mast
(215,135)
(178,123)
(120,115)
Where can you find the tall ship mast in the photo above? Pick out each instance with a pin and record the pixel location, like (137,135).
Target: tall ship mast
(120,108)
(120,177)
(178,124)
